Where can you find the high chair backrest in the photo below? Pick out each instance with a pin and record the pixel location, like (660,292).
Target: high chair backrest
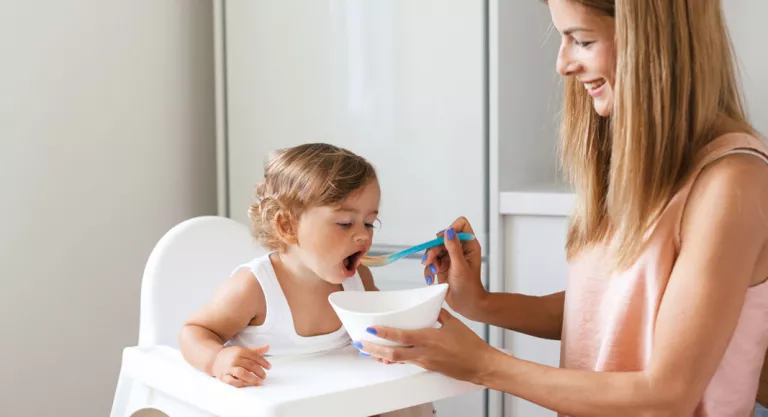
(184,270)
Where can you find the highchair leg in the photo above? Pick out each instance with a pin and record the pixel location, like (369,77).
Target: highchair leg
(122,396)
(132,397)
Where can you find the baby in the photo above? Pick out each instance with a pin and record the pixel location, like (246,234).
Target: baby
(315,212)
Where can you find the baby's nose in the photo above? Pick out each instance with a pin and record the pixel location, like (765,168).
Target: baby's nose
(362,238)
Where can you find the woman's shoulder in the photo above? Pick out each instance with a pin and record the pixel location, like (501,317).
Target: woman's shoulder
(730,191)
(733,160)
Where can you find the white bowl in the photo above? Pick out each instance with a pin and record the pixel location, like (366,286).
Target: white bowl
(403,309)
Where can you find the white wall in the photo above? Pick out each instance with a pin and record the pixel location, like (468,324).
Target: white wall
(106,141)
(746,23)
(529,95)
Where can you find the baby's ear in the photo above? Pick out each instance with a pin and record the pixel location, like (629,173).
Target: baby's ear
(285,228)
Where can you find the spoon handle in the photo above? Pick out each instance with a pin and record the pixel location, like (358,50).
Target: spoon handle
(388,259)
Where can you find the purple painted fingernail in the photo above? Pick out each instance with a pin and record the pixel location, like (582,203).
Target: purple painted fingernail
(363,354)
(429,279)
(425,257)
(432,269)
(371,330)
(357,345)
(451,234)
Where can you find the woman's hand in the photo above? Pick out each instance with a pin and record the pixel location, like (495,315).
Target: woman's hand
(458,264)
(453,349)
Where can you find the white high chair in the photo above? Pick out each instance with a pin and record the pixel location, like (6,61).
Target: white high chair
(184,269)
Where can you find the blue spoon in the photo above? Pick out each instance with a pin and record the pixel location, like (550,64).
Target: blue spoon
(392,257)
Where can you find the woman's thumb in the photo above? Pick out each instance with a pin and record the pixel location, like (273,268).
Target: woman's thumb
(454,248)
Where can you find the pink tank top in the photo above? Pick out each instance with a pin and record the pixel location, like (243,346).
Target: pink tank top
(609,320)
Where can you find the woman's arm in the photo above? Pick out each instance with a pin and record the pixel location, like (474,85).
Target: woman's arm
(724,231)
(536,316)
(367,278)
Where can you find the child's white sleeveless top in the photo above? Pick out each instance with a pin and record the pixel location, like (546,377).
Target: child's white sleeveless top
(278,330)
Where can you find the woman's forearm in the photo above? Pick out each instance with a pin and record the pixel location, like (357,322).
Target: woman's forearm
(199,346)
(536,316)
(582,393)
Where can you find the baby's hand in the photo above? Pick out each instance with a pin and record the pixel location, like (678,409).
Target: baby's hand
(241,366)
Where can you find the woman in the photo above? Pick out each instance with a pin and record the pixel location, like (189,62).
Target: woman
(665,312)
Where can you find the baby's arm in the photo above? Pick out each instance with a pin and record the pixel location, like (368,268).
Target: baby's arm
(367,278)
(231,309)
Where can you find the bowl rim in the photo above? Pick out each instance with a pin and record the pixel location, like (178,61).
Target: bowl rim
(382,313)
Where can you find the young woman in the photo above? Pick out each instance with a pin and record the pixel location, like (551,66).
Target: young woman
(665,312)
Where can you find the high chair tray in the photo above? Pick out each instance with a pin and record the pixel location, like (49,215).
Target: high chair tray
(333,384)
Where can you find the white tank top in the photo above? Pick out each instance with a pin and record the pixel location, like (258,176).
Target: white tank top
(278,330)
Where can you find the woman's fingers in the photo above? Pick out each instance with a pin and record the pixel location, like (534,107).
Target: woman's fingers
(428,277)
(454,247)
(406,338)
(432,254)
(437,261)
(434,262)
(461,225)
(403,337)
(388,354)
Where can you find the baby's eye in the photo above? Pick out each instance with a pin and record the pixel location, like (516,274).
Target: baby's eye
(345,225)
(369,226)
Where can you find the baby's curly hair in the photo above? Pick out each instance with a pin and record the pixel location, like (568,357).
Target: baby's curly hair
(302,177)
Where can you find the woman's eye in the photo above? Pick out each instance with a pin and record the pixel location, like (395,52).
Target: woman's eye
(369,226)
(345,225)
(583,44)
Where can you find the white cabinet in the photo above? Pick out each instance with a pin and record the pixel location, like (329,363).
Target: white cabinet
(400,82)
(527,208)
(534,264)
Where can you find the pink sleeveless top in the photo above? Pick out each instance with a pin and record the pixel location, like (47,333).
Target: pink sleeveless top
(609,320)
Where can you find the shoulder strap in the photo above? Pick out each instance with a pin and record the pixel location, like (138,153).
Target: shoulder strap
(276,304)
(721,147)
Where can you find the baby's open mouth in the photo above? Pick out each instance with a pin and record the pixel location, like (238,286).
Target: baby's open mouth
(351,262)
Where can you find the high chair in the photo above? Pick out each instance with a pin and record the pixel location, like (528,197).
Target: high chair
(183,271)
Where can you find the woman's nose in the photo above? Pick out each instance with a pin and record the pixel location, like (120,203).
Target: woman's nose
(566,65)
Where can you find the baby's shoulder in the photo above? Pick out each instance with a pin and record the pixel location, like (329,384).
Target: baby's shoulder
(242,291)
(245,280)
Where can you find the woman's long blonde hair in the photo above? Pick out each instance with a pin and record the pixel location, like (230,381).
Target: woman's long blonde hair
(675,78)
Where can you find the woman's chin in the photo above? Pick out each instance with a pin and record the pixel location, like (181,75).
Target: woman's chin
(603,104)
(603,108)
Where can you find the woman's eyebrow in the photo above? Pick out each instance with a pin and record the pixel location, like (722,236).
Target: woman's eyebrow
(570,31)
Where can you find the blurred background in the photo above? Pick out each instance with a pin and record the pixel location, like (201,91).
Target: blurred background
(119,119)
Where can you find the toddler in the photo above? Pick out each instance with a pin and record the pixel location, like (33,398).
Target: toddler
(315,212)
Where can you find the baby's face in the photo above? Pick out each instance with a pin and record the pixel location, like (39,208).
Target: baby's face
(332,239)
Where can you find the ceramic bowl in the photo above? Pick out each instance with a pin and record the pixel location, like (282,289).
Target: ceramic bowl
(410,309)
